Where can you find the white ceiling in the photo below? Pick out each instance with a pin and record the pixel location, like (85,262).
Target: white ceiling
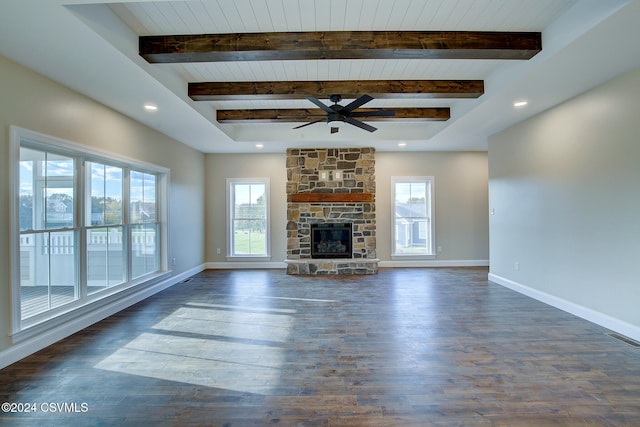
(92,47)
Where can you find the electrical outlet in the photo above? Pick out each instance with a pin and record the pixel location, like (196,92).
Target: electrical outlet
(218,251)
(517,266)
(173,262)
(439,249)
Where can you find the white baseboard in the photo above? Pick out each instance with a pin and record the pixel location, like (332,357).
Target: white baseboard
(241,265)
(388,264)
(609,322)
(434,263)
(38,342)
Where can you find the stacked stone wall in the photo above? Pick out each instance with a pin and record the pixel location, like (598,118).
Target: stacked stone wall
(331,171)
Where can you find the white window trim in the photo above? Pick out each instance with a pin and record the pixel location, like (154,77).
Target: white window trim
(229,216)
(22,330)
(432,228)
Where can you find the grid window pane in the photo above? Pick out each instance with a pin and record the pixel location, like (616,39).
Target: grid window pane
(249,237)
(105,258)
(47,190)
(249,233)
(48,259)
(412,212)
(55,181)
(143,198)
(105,188)
(142,213)
(144,250)
(48,276)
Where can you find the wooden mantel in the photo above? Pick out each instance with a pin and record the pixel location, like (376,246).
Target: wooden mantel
(331,198)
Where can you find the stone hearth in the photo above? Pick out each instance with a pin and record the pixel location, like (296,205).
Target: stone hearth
(331,186)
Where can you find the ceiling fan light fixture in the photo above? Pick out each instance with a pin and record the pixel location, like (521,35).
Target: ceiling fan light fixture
(335,120)
(337,115)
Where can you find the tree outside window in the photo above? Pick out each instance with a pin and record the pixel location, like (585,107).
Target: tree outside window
(248,219)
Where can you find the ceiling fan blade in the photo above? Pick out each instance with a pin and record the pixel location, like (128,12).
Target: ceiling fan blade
(321,104)
(355,104)
(373,113)
(310,123)
(334,130)
(360,124)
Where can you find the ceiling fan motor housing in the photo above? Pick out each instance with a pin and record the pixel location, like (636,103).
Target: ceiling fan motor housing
(339,114)
(336,117)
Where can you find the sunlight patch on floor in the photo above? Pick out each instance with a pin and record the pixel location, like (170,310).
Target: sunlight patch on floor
(230,347)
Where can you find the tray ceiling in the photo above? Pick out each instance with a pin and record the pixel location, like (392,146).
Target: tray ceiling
(115,29)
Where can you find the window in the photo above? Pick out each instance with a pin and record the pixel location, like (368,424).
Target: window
(48,232)
(413,217)
(248,218)
(85,223)
(144,225)
(104,221)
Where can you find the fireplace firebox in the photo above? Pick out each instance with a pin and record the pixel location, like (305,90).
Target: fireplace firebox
(331,240)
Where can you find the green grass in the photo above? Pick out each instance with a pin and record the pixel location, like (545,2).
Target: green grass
(253,243)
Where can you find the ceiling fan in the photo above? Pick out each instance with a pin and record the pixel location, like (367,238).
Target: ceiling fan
(337,114)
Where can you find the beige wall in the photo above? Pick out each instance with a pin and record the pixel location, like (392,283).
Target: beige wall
(219,167)
(33,102)
(565,189)
(461,199)
(460,180)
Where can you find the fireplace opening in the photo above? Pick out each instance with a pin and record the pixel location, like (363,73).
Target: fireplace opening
(331,240)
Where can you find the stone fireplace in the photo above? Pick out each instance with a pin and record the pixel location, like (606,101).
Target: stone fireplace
(331,192)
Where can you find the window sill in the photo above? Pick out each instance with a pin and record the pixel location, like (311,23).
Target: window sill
(249,258)
(412,257)
(43,324)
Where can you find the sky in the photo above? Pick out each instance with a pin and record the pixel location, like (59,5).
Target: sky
(406,190)
(105,180)
(248,192)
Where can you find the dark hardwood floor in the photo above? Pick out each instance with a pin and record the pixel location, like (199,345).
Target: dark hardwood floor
(405,347)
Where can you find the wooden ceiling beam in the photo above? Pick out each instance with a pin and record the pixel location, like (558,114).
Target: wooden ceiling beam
(310,114)
(348,89)
(340,45)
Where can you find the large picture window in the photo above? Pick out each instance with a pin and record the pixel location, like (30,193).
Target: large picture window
(413,217)
(85,224)
(248,217)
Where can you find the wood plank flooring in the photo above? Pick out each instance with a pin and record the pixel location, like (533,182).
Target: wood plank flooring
(405,347)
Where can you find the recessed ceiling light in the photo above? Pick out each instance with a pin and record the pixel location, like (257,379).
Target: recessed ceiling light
(521,103)
(259,145)
(150,107)
(402,144)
